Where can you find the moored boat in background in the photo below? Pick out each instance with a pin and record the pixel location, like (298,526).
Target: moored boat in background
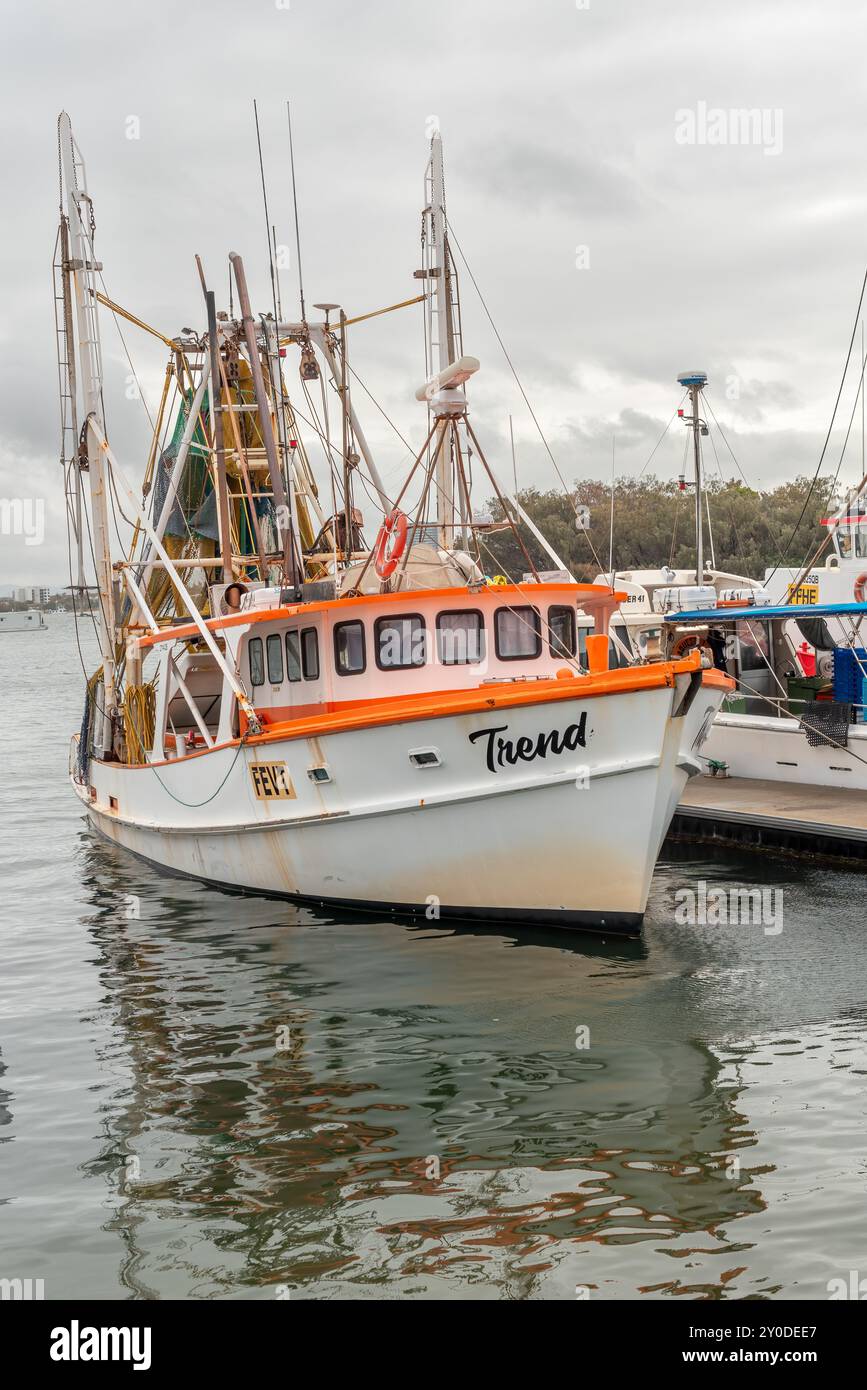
(30,621)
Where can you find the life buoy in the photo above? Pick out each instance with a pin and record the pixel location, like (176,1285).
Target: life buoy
(860,583)
(390,543)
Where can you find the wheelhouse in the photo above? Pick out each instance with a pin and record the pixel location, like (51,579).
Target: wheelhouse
(304,660)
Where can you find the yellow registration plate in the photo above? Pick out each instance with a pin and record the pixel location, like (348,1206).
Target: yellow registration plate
(803,593)
(271,781)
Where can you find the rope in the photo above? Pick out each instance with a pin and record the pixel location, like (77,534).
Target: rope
(797,525)
(139,719)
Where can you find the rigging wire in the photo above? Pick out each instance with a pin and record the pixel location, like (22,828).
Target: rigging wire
(265,206)
(679,500)
(295,206)
(510,362)
(662,436)
(830,426)
(826,541)
(771,537)
(738,542)
(569,495)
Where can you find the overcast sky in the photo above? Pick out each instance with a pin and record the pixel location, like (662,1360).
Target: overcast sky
(616,239)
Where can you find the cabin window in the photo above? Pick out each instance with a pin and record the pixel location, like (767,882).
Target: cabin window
(310,653)
(517,633)
(461,637)
(400,641)
(257,662)
(293,655)
(274,651)
(350,657)
(561,631)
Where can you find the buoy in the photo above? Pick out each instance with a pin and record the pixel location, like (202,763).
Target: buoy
(390,543)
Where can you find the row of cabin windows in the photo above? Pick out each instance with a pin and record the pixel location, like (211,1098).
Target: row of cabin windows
(302,657)
(400,643)
(401,640)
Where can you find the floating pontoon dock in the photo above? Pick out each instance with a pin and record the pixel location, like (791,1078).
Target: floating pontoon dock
(821,822)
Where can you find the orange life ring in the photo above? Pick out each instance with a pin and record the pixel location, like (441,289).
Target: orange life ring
(859,587)
(390,543)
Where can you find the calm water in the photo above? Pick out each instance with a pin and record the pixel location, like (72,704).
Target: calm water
(229,1097)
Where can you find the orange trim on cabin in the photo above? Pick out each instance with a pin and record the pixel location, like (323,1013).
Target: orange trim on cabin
(403,709)
(294,610)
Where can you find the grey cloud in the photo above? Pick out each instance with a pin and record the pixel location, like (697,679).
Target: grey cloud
(558,126)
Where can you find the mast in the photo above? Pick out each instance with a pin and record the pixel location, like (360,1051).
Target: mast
(290,568)
(69,432)
(444,342)
(216,401)
(83,268)
(695,383)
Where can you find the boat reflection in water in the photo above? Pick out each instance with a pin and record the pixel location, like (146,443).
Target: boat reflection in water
(377,1108)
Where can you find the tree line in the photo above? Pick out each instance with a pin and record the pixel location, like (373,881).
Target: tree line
(654,524)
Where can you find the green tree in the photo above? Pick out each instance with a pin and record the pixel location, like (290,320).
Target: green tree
(654,524)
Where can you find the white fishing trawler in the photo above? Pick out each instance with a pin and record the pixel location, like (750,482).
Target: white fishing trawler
(285,709)
(837,572)
(780,722)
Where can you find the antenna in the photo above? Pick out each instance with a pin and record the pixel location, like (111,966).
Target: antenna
(611,528)
(265,204)
(277,274)
(514,460)
(272,352)
(295,206)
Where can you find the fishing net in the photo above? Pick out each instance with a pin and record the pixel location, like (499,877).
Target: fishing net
(826,723)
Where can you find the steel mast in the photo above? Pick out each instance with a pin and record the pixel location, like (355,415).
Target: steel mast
(83,268)
(695,383)
(445,341)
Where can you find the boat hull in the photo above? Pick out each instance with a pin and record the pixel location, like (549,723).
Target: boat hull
(566,835)
(776,750)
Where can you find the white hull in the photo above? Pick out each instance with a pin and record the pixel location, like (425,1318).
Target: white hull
(777,750)
(570,839)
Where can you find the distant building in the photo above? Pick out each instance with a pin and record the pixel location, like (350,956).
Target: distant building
(32,594)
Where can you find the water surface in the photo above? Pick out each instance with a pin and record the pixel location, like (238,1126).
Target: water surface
(204,1095)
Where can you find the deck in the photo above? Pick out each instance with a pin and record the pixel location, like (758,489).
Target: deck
(821,822)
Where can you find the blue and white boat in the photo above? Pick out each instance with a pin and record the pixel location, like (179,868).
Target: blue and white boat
(783,724)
